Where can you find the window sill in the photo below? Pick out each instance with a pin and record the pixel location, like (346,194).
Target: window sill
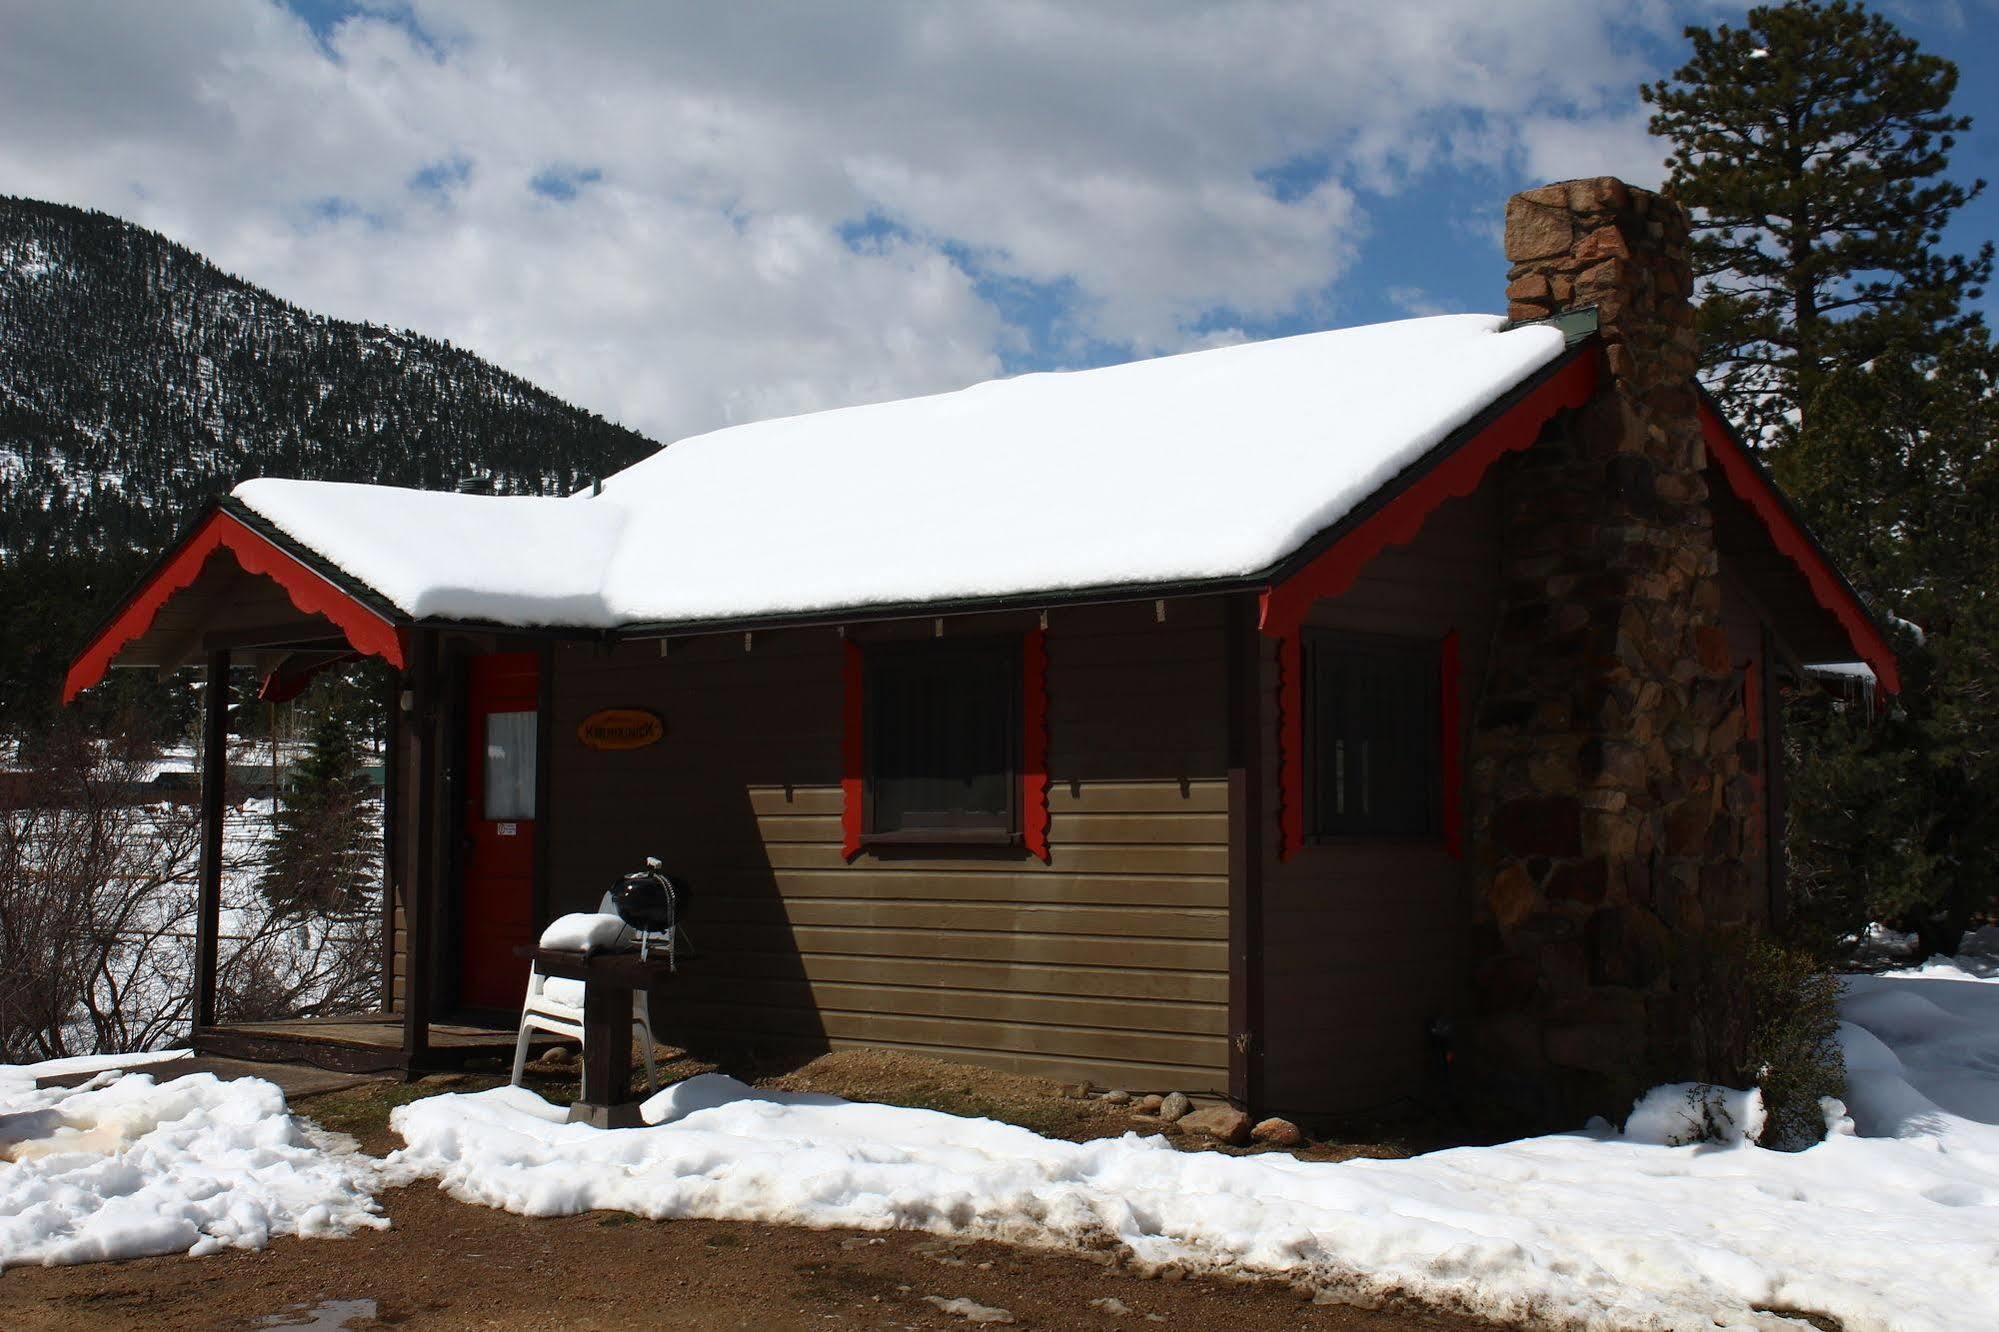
(945,837)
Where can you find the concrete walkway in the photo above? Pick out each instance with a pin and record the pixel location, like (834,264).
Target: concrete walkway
(296,1081)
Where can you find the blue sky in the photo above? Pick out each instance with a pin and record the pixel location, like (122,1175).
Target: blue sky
(686,215)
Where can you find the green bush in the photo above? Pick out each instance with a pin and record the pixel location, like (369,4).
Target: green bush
(1766,1015)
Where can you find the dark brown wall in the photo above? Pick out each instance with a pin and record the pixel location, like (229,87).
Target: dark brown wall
(1107,964)
(1749,635)
(1365,943)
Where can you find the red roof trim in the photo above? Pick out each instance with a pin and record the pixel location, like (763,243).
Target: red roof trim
(366,629)
(1034,742)
(1754,487)
(1401,518)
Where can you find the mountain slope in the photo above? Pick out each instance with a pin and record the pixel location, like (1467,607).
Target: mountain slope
(138,382)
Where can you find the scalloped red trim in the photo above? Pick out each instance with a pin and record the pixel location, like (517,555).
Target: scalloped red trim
(1755,489)
(367,630)
(1397,522)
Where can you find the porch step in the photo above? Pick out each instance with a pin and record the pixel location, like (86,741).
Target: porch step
(365,1043)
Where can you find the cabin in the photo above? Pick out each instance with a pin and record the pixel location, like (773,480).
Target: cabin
(1320,723)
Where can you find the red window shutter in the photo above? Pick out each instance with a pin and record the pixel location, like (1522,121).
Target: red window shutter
(853,776)
(1034,742)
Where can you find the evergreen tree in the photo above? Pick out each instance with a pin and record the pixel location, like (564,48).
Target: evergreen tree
(1897,817)
(1810,145)
(322,851)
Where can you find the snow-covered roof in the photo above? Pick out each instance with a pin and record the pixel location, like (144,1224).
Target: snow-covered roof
(1207,465)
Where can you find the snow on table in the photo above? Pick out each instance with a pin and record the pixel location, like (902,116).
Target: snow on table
(1896,1229)
(126,1166)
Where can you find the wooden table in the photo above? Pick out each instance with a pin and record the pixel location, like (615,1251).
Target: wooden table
(608,982)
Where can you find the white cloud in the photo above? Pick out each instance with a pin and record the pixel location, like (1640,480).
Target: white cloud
(1566,147)
(1104,156)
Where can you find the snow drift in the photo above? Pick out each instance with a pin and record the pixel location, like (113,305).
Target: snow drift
(126,1166)
(1892,1222)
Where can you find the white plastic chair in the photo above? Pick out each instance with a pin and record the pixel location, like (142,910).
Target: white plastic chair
(555,1004)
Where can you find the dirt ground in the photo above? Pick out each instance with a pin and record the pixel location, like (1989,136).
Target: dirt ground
(447,1265)
(444,1264)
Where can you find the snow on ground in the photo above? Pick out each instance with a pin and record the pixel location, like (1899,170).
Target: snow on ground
(126,1166)
(1153,472)
(1891,1223)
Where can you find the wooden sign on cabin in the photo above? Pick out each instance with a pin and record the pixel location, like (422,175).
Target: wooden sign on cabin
(621,728)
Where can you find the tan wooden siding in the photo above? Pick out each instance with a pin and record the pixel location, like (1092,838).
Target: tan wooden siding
(1109,963)
(1363,944)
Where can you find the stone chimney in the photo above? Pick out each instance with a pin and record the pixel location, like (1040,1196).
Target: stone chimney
(1610,803)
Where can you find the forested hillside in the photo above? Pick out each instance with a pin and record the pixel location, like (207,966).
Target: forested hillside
(138,381)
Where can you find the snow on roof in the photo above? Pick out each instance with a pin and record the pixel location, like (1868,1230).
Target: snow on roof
(1210,464)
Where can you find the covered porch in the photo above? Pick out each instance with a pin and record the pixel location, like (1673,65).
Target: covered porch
(232,595)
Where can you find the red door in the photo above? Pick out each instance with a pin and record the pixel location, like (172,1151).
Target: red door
(496,900)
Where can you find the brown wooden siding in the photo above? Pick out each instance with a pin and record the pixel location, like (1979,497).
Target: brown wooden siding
(1745,622)
(1107,964)
(1366,943)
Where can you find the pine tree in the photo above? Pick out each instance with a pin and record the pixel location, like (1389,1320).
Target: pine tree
(321,858)
(1896,817)
(1810,145)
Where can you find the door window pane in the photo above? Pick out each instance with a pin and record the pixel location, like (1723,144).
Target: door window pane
(510,765)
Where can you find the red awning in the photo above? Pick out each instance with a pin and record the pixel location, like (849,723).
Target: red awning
(366,629)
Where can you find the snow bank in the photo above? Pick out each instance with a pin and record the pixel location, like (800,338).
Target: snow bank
(1210,464)
(126,1166)
(1893,1222)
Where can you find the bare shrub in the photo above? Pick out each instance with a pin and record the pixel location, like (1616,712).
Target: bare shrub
(98,915)
(1767,1015)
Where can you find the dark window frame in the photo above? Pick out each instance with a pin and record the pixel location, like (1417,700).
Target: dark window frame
(959,828)
(1396,651)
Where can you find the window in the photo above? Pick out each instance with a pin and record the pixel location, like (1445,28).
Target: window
(510,765)
(1372,736)
(943,731)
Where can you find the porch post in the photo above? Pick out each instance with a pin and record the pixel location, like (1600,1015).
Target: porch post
(208,880)
(1244,703)
(392,813)
(420,879)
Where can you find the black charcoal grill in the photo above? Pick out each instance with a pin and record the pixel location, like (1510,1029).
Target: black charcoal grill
(653,904)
